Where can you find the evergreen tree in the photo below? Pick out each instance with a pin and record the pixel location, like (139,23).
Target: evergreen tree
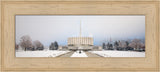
(111,47)
(108,45)
(116,45)
(127,43)
(103,46)
(56,45)
(53,46)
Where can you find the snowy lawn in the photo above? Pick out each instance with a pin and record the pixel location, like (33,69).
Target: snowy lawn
(48,53)
(119,53)
(77,54)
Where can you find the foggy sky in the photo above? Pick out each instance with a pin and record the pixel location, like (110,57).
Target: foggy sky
(58,28)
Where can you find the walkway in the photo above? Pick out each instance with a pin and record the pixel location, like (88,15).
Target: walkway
(92,54)
(77,54)
(67,54)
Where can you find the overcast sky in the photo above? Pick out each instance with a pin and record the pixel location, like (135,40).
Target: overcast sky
(58,28)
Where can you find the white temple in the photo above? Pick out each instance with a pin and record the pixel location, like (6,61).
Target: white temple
(84,43)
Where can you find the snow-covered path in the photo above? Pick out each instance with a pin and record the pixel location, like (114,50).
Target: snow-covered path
(77,54)
(119,53)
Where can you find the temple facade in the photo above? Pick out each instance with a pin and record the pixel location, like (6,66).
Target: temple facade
(83,43)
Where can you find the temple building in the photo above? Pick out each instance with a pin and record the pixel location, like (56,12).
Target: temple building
(83,43)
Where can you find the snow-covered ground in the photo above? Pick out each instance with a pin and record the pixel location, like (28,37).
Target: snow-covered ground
(45,53)
(119,53)
(54,53)
(77,54)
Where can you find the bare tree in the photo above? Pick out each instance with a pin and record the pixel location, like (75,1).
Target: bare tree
(142,47)
(26,42)
(124,45)
(16,46)
(38,45)
(120,44)
(136,44)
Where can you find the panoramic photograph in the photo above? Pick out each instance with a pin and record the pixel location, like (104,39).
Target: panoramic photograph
(79,36)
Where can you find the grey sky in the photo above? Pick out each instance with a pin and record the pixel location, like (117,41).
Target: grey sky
(52,28)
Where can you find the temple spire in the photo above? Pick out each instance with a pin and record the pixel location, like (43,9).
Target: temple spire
(80,30)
